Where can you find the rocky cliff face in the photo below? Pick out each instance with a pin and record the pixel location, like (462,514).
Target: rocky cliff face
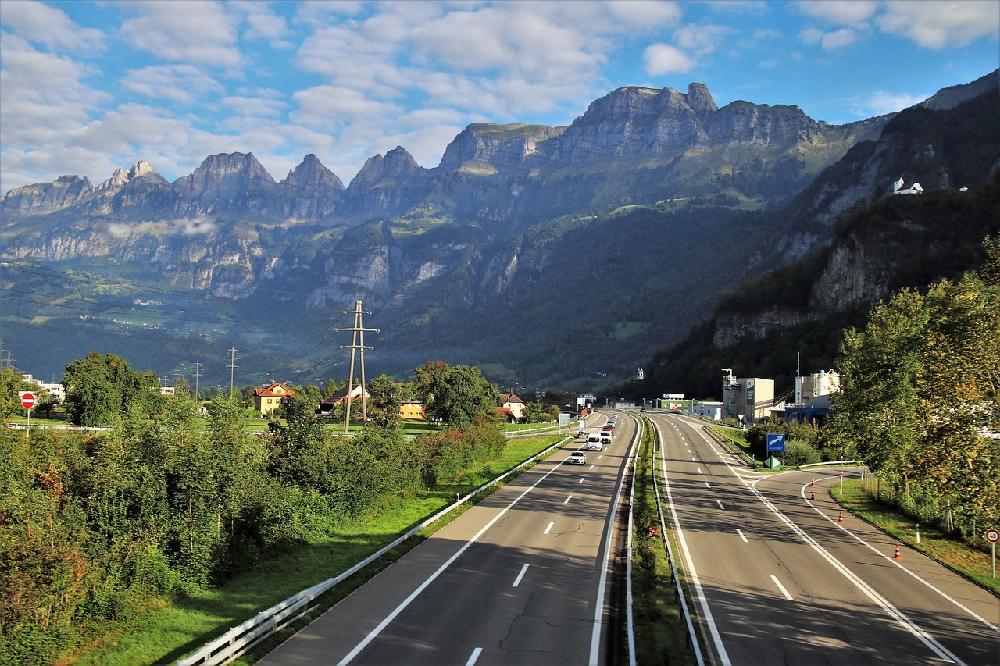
(65,191)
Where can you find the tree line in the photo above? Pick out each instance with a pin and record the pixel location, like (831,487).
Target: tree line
(96,527)
(920,399)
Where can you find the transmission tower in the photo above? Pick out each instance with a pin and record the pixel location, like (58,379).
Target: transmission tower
(357,345)
(197,377)
(232,368)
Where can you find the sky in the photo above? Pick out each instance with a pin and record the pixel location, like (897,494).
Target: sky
(86,87)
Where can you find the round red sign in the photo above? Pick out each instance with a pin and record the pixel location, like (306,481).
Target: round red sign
(27,399)
(992,536)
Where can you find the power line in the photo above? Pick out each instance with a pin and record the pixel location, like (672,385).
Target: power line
(232,368)
(197,378)
(357,345)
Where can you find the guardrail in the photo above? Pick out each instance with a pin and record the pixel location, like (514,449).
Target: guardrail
(629,612)
(244,636)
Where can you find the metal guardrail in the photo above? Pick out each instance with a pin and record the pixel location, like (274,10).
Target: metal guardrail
(244,636)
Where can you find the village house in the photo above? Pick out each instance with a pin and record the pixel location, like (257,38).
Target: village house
(268,398)
(510,406)
(413,410)
(328,404)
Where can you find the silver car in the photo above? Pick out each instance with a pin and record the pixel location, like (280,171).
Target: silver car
(577,458)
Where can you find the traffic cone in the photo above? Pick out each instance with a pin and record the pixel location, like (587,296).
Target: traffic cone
(898,555)
(812,496)
(813,482)
(840,516)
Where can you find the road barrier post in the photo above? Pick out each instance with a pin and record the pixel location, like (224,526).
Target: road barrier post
(918,532)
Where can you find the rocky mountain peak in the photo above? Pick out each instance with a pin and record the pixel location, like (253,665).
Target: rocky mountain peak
(700,99)
(485,148)
(311,173)
(396,164)
(224,174)
(121,177)
(140,168)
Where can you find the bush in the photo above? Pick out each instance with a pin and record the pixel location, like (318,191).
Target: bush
(799,452)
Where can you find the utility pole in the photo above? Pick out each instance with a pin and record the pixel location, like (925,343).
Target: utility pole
(357,345)
(197,377)
(232,368)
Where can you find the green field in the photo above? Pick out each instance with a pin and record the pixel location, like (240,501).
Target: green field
(166,634)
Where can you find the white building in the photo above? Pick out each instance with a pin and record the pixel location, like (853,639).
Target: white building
(817,389)
(57,391)
(897,188)
(746,399)
(707,410)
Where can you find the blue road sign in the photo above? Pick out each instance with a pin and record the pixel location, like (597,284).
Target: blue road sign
(775,442)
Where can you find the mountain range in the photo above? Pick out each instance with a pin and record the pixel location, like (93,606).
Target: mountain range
(550,255)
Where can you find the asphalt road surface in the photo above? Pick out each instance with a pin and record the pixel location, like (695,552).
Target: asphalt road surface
(514,580)
(777,580)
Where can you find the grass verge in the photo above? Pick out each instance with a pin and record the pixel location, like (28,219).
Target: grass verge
(167,634)
(966,559)
(660,632)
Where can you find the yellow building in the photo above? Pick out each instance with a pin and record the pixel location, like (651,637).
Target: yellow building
(268,398)
(412,409)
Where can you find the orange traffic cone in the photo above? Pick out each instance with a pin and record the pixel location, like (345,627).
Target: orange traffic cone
(812,496)
(813,482)
(898,555)
(840,516)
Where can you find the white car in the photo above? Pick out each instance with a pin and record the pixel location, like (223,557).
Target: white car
(606,438)
(594,442)
(577,458)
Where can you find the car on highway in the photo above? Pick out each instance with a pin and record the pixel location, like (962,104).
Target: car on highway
(607,428)
(595,442)
(577,458)
(606,438)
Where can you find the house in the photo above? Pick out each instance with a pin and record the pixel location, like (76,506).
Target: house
(412,409)
(57,391)
(513,405)
(270,397)
(328,404)
(915,188)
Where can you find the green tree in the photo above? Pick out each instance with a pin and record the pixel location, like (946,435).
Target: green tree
(535,412)
(330,389)
(460,393)
(385,398)
(100,387)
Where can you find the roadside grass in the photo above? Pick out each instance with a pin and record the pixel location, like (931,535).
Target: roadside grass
(734,435)
(661,634)
(180,627)
(967,559)
(518,427)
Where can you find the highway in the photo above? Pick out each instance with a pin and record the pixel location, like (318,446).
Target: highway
(777,580)
(517,579)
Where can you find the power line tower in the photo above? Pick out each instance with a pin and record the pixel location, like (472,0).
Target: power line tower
(357,345)
(197,378)
(232,368)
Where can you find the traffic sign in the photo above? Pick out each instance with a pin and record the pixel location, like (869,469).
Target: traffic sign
(992,535)
(27,399)
(775,442)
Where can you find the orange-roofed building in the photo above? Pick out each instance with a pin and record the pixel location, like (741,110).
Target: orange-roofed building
(268,398)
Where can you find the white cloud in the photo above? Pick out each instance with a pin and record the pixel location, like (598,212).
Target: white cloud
(811,36)
(262,23)
(837,39)
(183,84)
(941,24)
(769,63)
(881,102)
(839,12)
(50,27)
(194,32)
(701,40)
(665,59)
(255,106)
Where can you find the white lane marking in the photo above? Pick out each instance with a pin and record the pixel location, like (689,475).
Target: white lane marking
(581,480)
(699,470)
(699,596)
(707,485)
(693,459)
(740,532)
(600,456)
(517,581)
(719,502)
(595,634)
(971,612)
(548,529)
(441,569)
(893,612)
(566,501)
(591,467)
(474,657)
(781,587)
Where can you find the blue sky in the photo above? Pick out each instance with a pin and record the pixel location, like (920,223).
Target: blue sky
(86,87)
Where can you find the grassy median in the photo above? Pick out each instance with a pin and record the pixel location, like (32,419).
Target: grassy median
(660,633)
(956,553)
(180,627)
